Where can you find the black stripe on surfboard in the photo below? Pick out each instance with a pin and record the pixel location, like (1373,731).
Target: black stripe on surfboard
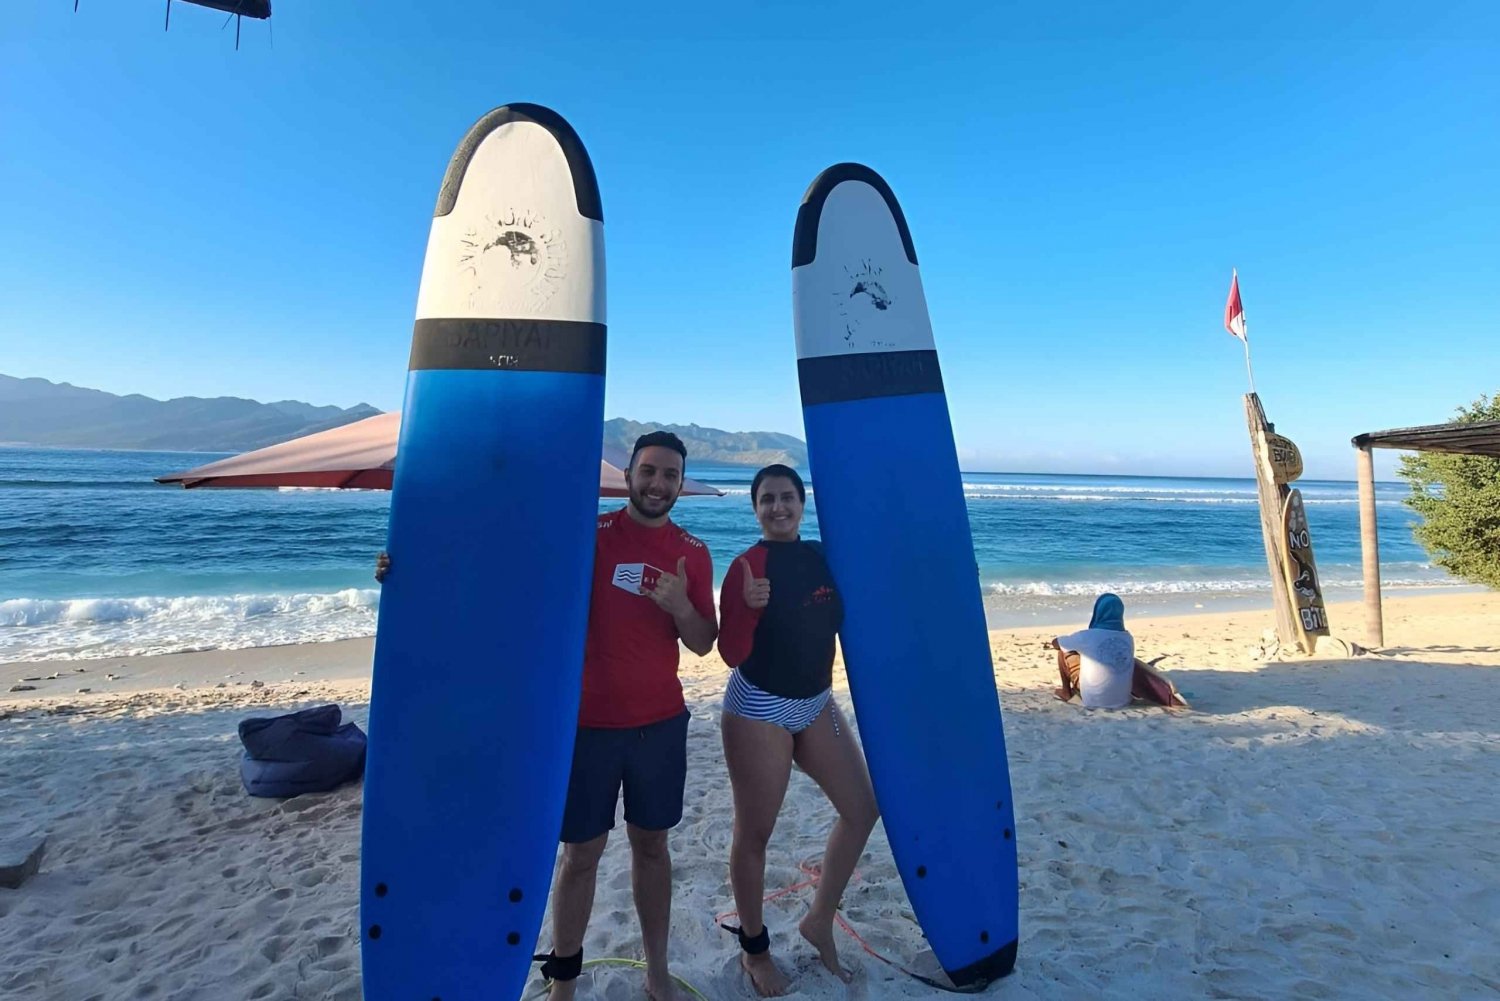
(867,375)
(585,184)
(805,237)
(509,345)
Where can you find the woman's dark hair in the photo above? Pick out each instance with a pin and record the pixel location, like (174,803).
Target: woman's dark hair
(777,469)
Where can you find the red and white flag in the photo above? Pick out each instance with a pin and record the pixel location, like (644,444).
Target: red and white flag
(1234,313)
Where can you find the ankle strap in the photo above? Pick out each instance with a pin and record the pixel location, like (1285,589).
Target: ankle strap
(561,968)
(752,944)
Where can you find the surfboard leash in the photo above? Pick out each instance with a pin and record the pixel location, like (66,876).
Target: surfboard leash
(814,873)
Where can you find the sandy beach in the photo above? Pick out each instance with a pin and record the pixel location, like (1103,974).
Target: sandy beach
(1311,829)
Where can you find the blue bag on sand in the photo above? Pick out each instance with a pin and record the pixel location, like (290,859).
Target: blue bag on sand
(307,751)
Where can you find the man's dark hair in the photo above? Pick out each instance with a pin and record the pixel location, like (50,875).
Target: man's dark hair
(659,439)
(777,469)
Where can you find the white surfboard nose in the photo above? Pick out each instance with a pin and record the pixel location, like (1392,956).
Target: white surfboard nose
(856,287)
(519,227)
(580,166)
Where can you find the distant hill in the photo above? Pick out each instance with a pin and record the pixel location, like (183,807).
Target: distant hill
(740,448)
(38,412)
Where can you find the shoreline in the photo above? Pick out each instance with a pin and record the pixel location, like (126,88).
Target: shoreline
(1057,610)
(1016,610)
(349,660)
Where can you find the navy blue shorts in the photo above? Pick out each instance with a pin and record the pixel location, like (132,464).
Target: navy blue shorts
(649,761)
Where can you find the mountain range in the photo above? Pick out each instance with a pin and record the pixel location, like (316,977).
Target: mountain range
(736,448)
(39,412)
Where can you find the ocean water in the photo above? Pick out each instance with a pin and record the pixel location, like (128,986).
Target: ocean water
(96,560)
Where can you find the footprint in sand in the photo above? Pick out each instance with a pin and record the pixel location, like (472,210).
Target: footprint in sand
(309,878)
(329,945)
(275,948)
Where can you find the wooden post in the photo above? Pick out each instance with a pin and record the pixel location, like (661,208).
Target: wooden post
(1369,547)
(1272,496)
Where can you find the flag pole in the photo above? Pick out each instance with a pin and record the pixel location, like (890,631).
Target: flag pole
(1234,310)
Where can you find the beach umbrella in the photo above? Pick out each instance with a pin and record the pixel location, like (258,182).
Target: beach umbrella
(359,456)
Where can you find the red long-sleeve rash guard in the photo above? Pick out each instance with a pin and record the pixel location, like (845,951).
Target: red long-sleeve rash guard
(787,647)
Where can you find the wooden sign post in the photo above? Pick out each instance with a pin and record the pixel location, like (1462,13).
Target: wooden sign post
(1296,592)
(1270,519)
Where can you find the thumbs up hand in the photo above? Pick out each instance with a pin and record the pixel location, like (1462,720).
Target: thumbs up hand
(757,589)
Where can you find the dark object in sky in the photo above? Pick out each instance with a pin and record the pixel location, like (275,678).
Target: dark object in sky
(247,8)
(260,9)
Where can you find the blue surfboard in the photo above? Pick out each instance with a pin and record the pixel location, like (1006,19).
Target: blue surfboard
(895,527)
(479,648)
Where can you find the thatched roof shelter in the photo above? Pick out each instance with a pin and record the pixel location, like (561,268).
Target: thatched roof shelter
(1468,437)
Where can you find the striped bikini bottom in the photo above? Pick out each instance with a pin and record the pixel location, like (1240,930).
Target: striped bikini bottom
(792,715)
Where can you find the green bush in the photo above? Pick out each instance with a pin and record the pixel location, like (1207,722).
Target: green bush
(1458,497)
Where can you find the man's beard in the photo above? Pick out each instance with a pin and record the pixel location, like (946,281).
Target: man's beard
(650,506)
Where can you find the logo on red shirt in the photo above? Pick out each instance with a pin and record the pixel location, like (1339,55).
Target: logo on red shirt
(637,578)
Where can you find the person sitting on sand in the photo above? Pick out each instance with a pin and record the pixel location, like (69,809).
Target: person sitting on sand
(1098,663)
(780,611)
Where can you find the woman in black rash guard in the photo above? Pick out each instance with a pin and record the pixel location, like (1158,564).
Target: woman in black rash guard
(780,611)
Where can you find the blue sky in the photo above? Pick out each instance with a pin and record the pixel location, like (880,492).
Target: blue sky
(185,219)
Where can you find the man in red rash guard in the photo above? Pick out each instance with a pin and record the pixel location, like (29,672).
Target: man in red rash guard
(653,585)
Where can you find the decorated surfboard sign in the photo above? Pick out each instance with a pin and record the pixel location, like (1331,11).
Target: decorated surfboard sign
(1285,457)
(479,648)
(1302,573)
(895,529)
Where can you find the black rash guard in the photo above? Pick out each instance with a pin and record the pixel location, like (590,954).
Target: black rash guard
(787,647)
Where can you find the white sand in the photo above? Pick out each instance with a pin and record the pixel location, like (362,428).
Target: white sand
(1312,829)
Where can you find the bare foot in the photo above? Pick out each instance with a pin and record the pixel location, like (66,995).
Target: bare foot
(765,976)
(661,986)
(562,990)
(1063,694)
(820,937)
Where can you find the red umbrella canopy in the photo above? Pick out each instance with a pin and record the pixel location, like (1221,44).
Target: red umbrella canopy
(361,456)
